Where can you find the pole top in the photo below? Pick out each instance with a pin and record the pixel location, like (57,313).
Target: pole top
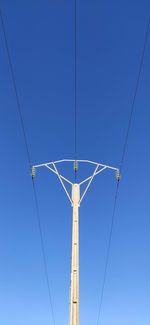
(53,166)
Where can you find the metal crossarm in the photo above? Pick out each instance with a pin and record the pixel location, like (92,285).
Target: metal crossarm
(75,199)
(53,167)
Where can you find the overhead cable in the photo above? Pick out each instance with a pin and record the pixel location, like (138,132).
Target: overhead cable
(121,167)
(135,95)
(19,110)
(75,88)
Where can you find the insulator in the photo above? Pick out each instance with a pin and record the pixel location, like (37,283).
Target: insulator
(33,172)
(118,175)
(75,165)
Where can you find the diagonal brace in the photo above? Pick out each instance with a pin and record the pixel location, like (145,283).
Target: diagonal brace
(62,183)
(89,183)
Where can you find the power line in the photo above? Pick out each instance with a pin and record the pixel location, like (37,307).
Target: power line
(121,167)
(29,161)
(43,250)
(108,252)
(75,86)
(135,95)
(15,89)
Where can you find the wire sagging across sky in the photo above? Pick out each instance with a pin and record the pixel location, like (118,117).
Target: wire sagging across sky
(121,167)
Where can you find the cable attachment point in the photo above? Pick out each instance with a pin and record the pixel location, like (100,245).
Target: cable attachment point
(118,175)
(75,166)
(33,172)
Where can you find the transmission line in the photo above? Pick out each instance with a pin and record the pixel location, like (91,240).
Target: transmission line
(121,167)
(19,110)
(15,88)
(75,88)
(135,95)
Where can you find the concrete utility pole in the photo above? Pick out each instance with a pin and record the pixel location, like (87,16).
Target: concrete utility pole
(75,199)
(74,303)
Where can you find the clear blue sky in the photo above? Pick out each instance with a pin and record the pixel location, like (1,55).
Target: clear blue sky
(109,45)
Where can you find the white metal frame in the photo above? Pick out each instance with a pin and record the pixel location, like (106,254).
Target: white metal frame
(52,166)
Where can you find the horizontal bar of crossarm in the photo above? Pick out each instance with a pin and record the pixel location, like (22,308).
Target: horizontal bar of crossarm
(85,161)
(72,160)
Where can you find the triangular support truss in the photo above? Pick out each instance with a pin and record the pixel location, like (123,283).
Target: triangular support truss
(53,167)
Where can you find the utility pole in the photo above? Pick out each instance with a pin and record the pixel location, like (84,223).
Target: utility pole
(74,303)
(75,199)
